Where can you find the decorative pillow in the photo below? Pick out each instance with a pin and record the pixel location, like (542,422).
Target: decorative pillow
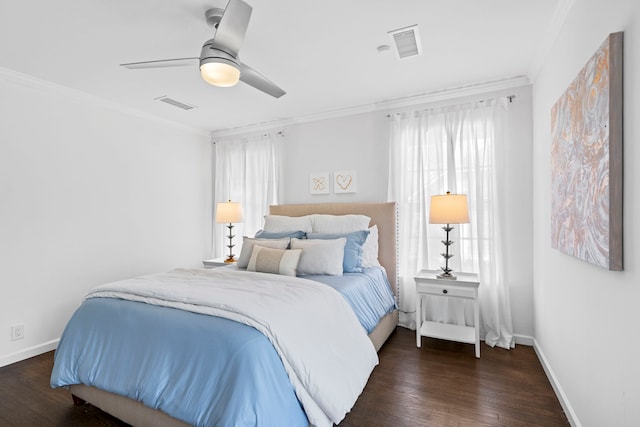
(339,224)
(275,261)
(352,260)
(271,235)
(370,249)
(247,248)
(280,223)
(320,256)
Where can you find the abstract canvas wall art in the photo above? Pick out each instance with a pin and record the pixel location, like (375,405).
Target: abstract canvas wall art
(586,161)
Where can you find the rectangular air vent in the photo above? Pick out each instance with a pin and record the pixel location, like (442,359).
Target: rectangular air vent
(407,41)
(175,103)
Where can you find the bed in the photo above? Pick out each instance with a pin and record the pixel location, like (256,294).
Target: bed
(158,323)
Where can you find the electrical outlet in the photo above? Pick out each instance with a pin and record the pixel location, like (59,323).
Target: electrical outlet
(17,332)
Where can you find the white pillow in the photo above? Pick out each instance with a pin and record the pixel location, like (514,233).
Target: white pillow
(370,249)
(339,224)
(275,261)
(281,223)
(320,256)
(247,247)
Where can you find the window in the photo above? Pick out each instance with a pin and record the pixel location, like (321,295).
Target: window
(451,149)
(246,170)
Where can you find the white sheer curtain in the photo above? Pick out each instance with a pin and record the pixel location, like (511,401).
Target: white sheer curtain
(246,169)
(457,149)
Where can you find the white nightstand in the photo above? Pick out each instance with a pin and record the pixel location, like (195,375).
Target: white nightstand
(214,262)
(466,287)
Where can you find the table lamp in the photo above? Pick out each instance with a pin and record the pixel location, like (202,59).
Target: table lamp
(229,213)
(448,209)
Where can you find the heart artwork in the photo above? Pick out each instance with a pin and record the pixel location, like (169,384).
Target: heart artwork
(344,181)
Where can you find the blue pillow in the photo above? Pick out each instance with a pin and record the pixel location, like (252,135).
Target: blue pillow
(352,261)
(279,235)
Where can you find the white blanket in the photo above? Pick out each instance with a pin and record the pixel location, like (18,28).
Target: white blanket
(323,347)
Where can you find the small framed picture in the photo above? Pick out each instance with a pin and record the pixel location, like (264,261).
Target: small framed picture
(344,182)
(319,183)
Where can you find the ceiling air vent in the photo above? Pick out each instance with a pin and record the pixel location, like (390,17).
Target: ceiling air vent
(406,41)
(175,103)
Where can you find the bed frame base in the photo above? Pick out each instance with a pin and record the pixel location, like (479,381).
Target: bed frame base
(123,408)
(385,327)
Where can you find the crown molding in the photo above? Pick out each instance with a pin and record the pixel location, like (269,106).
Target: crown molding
(389,104)
(17,78)
(23,80)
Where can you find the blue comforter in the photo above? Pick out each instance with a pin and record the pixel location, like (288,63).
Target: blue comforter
(368,293)
(149,344)
(204,370)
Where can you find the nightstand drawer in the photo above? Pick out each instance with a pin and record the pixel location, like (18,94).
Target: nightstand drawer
(446,290)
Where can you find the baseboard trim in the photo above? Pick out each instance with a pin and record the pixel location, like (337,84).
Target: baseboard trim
(557,388)
(523,339)
(29,352)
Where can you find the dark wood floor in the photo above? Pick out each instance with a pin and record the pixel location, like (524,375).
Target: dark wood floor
(441,384)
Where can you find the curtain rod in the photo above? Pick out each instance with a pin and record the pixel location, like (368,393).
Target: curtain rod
(249,135)
(509,97)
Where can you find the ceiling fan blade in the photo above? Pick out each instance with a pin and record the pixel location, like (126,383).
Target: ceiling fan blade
(260,82)
(233,26)
(178,62)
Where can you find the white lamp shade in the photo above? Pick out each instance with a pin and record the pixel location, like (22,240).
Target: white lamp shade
(229,212)
(449,209)
(220,74)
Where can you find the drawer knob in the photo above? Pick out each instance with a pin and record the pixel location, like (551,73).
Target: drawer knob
(444,291)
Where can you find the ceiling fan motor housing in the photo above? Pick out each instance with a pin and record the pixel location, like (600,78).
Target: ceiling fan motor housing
(209,51)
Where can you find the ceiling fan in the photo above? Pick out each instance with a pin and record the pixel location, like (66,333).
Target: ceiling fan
(219,64)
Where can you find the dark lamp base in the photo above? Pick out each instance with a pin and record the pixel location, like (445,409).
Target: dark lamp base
(446,271)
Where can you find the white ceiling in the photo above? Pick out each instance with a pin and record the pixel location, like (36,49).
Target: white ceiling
(323,53)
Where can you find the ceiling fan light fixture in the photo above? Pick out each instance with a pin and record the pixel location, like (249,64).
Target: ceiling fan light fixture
(219,64)
(218,72)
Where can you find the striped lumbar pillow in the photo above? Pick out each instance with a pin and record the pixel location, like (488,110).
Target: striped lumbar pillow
(276,261)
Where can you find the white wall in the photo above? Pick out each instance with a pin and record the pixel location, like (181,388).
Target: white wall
(360,143)
(88,194)
(585,316)
(357,142)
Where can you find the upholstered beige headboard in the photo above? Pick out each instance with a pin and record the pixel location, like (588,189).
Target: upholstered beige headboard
(382,214)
